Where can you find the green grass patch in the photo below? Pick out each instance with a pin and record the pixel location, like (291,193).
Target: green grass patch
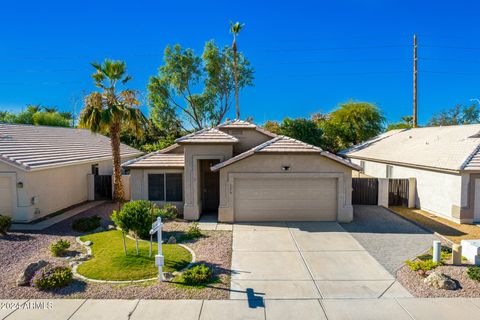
(110,263)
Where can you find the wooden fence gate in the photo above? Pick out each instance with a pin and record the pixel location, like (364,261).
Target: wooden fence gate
(398,192)
(365,191)
(103,187)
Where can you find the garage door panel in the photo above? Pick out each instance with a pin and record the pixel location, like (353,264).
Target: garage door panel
(285,199)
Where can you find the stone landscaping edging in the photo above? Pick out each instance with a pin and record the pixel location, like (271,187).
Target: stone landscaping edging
(89,253)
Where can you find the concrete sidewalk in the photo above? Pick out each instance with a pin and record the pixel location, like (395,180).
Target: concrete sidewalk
(304,309)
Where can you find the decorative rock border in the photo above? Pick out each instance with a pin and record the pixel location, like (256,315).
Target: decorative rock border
(89,255)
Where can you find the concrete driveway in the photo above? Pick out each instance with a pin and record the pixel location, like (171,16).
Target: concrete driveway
(305,260)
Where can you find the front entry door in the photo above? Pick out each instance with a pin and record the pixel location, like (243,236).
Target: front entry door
(210,187)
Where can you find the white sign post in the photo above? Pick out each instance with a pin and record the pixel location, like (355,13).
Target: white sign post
(159,259)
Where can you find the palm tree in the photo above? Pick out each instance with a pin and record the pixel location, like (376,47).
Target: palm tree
(235,30)
(50,109)
(34,108)
(109,110)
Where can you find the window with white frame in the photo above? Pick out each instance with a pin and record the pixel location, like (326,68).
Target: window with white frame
(165,187)
(389,171)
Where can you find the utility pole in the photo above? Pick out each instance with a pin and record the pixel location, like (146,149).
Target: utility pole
(415,81)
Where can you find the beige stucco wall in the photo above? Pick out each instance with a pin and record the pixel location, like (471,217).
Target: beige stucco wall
(50,190)
(194,153)
(247,138)
(263,165)
(441,193)
(139,185)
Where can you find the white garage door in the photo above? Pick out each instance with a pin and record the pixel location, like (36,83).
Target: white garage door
(274,199)
(6,195)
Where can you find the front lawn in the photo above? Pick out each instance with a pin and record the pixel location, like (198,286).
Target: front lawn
(110,263)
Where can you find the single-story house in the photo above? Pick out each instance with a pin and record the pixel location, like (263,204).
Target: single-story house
(445,161)
(45,169)
(242,172)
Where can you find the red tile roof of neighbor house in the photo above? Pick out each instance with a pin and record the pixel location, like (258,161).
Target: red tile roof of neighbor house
(284,144)
(39,147)
(446,148)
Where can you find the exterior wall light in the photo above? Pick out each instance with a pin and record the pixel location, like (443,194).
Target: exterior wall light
(20,185)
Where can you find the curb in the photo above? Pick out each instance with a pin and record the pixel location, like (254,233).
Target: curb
(89,252)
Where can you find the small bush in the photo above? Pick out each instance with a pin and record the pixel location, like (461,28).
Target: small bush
(168,212)
(474,273)
(193,232)
(52,277)
(5,223)
(421,265)
(86,224)
(197,275)
(59,248)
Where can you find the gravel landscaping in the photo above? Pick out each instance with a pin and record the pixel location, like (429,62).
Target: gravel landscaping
(21,248)
(389,238)
(413,282)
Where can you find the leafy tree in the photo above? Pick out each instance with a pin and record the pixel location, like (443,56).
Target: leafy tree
(405,123)
(273,126)
(354,122)
(53,119)
(302,129)
(110,110)
(454,116)
(235,29)
(35,115)
(136,216)
(171,94)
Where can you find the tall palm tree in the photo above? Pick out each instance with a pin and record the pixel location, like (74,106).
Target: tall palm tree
(108,110)
(235,29)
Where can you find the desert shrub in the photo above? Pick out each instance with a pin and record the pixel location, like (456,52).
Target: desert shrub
(52,277)
(421,265)
(86,224)
(474,273)
(5,223)
(167,212)
(199,274)
(59,248)
(193,232)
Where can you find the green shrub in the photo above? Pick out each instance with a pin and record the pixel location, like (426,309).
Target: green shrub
(59,248)
(474,273)
(5,223)
(199,274)
(52,277)
(136,216)
(193,232)
(421,265)
(86,224)
(167,212)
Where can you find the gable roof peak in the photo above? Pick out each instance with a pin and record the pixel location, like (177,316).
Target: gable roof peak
(207,135)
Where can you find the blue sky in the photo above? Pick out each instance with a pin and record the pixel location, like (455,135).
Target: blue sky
(308,55)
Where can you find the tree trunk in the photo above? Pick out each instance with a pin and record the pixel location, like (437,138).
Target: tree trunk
(118,193)
(235,78)
(124,243)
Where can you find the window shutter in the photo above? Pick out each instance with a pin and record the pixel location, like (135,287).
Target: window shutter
(174,187)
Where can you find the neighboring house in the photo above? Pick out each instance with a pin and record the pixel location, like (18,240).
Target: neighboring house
(445,161)
(244,173)
(44,169)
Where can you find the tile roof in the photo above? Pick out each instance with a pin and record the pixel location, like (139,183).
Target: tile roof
(207,135)
(284,144)
(448,148)
(156,160)
(38,147)
(242,124)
